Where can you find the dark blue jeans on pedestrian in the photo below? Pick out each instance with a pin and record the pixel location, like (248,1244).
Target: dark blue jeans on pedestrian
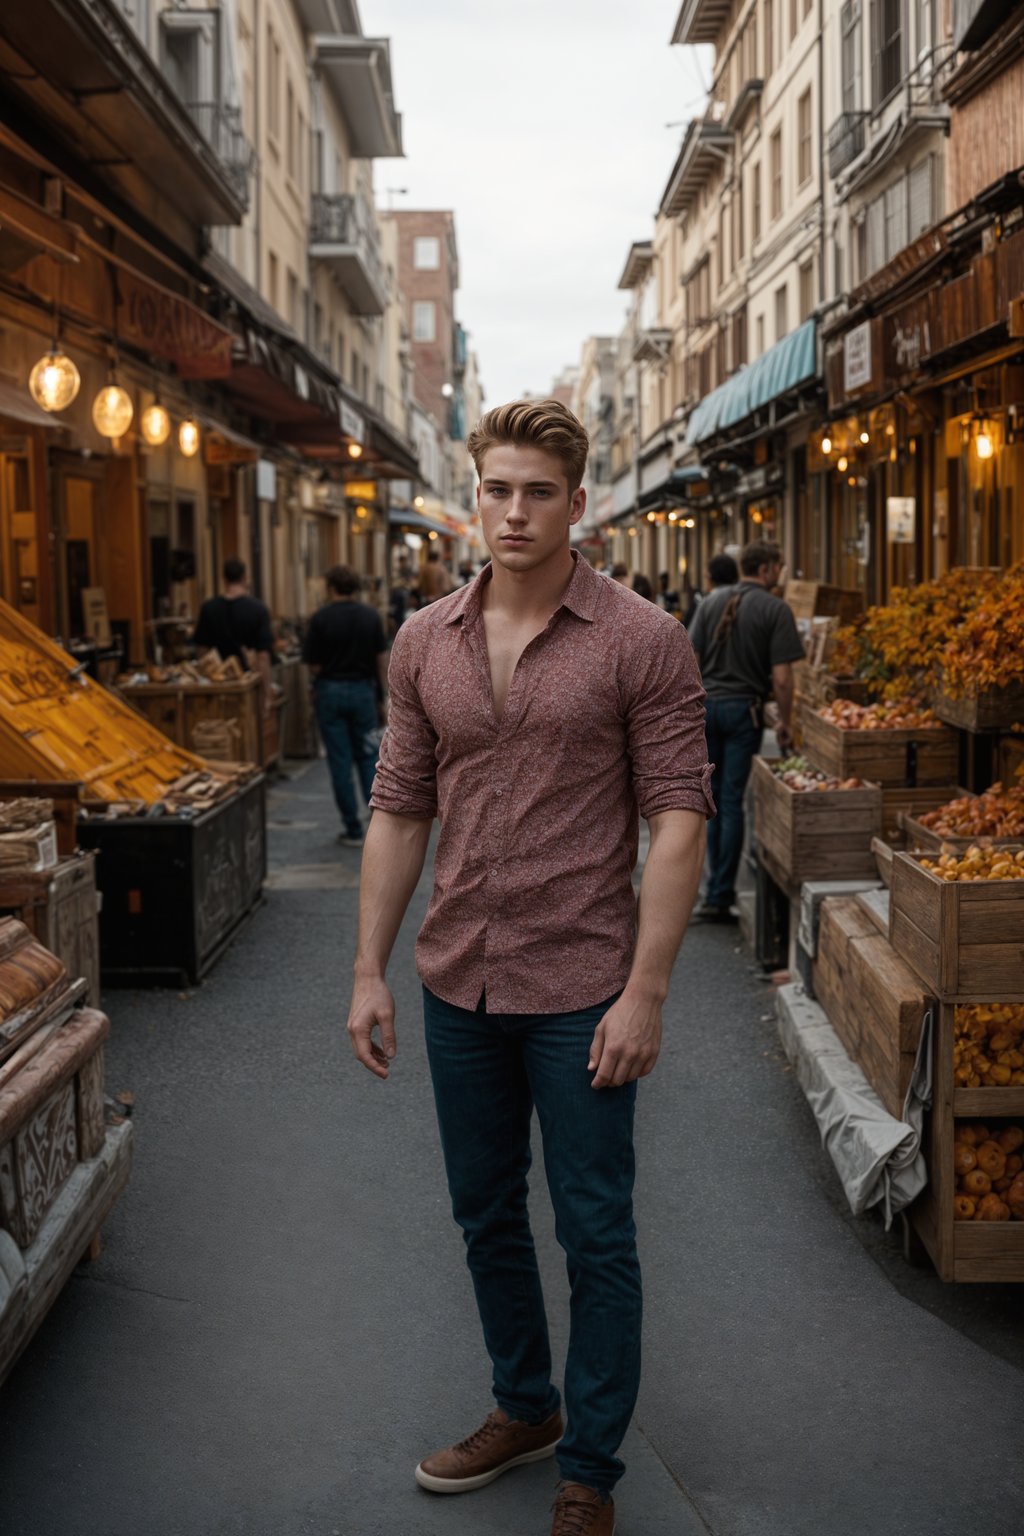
(489,1070)
(733,741)
(346,713)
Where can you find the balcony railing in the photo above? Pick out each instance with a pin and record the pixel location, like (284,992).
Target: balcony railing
(221,127)
(845,141)
(340,230)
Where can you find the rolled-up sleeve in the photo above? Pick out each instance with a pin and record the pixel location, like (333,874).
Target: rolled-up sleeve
(665,728)
(406,779)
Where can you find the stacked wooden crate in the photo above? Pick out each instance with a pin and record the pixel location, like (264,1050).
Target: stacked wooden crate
(61,1166)
(965,940)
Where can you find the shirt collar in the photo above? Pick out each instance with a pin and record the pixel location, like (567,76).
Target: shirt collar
(580,595)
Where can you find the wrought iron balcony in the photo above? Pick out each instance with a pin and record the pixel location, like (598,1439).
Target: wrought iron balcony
(221,127)
(341,233)
(845,141)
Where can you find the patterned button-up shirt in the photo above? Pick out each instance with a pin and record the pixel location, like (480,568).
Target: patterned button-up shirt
(533,898)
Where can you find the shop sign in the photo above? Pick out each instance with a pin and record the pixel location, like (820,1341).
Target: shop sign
(361,490)
(899,515)
(167,326)
(857,357)
(266,480)
(352,424)
(911,343)
(220,449)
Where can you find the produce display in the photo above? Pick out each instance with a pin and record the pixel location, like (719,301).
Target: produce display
(989,1168)
(988,1045)
(966,627)
(978,863)
(998,812)
(904,714)
(797,774)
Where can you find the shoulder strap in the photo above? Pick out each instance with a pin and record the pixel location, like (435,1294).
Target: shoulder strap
(727,622)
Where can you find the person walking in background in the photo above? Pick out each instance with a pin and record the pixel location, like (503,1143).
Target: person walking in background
(435,579)
(538,713)
(722,572)
(746,641)
(642,587)
(346,649)
(237,624)
(620,573)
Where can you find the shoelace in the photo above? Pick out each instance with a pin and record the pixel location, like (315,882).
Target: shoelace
(575,1515)
(480,1436)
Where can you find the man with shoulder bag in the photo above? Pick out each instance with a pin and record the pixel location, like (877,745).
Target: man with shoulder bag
(746,641)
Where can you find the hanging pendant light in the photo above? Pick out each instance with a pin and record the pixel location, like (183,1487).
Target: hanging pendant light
(188,437)
(155,424)
(54,381)
(112,410)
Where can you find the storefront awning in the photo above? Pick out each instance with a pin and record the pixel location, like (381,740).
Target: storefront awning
(19,406)
(784,367)
(399,518)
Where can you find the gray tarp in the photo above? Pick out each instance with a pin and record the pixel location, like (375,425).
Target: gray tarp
(878,1158)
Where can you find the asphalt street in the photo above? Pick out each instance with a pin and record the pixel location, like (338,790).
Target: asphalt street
(280,1324)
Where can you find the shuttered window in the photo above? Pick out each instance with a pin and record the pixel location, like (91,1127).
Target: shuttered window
(851,55)
(922,197)
(895,218)
(886,48)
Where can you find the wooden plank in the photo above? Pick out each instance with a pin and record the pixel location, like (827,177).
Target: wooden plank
(817,834)
(924,756)
(993,709)
(965,939)
(987,1103)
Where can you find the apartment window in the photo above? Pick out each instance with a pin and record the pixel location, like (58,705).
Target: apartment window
(340,364)
(721,247)
(923,211)
(272,280)
(273,85)
(760,334)
(291,148)
(924,27)
(755,203)
(424,320)
(895,218)
(886,48)
(293,301)
(426,253)
(775,164)
(807,289)
(861,247)
(739,228)
(781,316)
(188,56)
(769,38)
(793,22)
(803,120)
(806,9)
(300,176)
(849,25)
(875,236)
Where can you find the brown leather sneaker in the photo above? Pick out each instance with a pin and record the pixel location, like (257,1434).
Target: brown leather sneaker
(580,1511)
(499,1443)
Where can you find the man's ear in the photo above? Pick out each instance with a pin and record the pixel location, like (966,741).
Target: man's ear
(578,505)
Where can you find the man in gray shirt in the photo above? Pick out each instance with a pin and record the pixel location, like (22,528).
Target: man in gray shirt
(746,641)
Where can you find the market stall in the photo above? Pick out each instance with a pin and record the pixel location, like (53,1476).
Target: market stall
(212,708)
(181,842)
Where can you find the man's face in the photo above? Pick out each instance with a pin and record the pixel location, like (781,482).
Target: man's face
(525,505)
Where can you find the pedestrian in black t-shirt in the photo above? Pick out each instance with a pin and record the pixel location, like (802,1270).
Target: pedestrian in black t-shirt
(346,648)
(746,641)
(237,624)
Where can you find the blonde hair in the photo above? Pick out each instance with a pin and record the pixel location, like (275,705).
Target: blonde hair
(546,424)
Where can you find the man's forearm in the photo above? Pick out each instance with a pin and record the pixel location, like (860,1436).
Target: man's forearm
(668,891)
(782,689)
(393,858)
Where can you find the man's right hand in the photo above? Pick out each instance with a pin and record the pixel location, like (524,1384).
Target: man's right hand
(372,1008)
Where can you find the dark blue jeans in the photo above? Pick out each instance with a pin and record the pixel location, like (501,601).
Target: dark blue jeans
(346,713)
(488,1072)
(733,741)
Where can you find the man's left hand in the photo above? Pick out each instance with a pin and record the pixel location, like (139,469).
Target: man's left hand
(626,1042)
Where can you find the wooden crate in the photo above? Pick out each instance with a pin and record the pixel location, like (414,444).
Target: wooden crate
(842,923)
(992,709)
(820,835)
(927,755)
(962,1250)
(1011,760)
(965,940)
(60,907)
(922,839)
(811,599)
(899,801)
(179,709)
(886,1010)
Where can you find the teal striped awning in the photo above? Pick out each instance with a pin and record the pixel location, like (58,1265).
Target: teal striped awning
(791,362)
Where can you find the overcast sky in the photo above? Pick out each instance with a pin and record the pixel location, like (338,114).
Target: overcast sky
(542,124)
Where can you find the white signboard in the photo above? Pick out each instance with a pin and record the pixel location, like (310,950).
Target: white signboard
(899,513)
(857,357)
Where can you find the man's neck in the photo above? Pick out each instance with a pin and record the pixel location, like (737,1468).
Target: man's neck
(234,590)
(529,594)
(755,581)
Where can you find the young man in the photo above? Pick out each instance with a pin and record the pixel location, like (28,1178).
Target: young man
(238,624)
(536,712)
(346,650)
(746,641)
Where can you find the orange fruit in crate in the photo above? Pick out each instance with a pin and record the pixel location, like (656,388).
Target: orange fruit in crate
(964,1159)
(991,1159)
(993,1209)
(963,1208)
(1010,1139)
(977,1183)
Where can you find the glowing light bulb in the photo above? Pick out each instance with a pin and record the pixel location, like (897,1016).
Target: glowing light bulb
(826,446)
(843,464)
(865,437)
(112,411)
(355,450)
(188,437)
(983,445)
(54,381)
(652,517)
(155,424)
